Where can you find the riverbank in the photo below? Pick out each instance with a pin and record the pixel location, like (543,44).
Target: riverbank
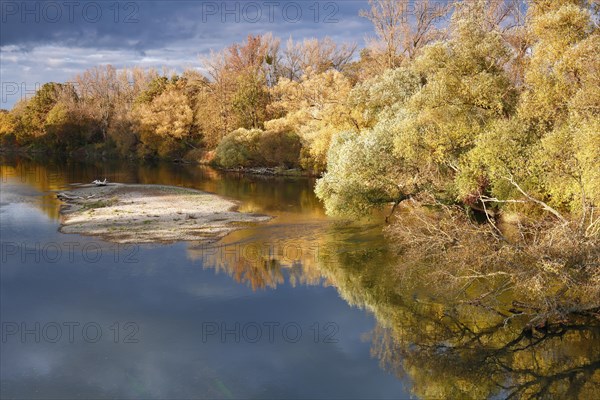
(37,154)
(150,213)
(269,171)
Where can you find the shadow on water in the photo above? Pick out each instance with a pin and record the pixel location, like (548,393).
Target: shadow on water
(437,348)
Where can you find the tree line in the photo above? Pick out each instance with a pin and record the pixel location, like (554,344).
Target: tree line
(158,114)
(471,100)
(455,97)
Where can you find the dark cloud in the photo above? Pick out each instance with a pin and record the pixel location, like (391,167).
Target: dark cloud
(44,41)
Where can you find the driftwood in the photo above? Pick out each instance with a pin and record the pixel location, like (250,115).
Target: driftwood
(100,183)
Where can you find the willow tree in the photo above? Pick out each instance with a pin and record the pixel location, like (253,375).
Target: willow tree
(462,88)
(547,154)
(562,102)
(563,62)
(383,96)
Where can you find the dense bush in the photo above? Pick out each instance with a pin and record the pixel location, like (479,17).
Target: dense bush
(255,147)
(466,133)
(280,149)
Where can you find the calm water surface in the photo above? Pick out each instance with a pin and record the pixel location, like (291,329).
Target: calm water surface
(301,307)
(252,316)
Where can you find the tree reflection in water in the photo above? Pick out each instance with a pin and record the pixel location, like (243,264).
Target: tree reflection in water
(458,349)
(447,347)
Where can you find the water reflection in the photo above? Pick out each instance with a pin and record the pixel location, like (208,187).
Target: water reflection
(280,195)
(453,349)
(438,348)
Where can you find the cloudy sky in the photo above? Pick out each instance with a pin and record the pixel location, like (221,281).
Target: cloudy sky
(43,41)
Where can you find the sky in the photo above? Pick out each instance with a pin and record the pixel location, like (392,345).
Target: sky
(42,41)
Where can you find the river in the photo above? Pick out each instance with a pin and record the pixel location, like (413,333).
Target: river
(304,306)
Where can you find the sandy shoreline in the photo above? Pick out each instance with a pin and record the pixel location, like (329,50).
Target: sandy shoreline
(150,213)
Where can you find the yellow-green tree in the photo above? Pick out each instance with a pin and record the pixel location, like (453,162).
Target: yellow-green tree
(165,122)
(547,154)
(7,123)
(443,103)
(315,108)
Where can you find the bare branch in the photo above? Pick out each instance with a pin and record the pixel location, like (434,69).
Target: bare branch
(545,206)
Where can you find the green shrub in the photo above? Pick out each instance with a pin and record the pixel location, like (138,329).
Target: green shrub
(255,147)
(280,149)
(239,149)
